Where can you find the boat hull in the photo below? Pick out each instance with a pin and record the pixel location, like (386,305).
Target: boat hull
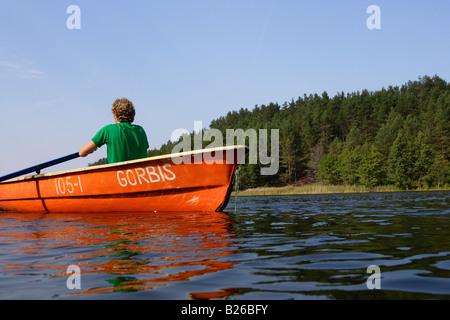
(152,184)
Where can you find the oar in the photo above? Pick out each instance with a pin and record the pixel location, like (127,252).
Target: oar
(39,167)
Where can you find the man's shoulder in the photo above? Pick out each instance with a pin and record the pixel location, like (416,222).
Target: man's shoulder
(138,127)
(107,130)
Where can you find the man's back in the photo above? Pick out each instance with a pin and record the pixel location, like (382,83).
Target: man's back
(125,141)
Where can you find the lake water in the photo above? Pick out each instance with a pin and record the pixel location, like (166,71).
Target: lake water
(272,247)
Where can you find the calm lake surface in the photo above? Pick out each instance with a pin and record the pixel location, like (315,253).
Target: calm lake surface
(272,247)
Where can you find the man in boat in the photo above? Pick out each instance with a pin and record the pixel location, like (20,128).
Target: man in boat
(125,141)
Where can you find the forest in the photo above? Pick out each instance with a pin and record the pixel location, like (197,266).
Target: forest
(393,136)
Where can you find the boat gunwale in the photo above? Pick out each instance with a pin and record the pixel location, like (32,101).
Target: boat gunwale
(125,163)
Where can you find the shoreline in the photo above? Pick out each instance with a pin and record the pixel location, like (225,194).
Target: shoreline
(319,188)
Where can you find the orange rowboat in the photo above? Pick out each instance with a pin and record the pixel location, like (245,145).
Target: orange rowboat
(201,182)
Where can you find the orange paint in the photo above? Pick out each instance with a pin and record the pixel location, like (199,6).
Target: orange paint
(151,184)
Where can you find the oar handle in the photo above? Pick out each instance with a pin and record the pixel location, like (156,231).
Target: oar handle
(39,167)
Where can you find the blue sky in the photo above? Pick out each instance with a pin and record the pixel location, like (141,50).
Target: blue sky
(181,61)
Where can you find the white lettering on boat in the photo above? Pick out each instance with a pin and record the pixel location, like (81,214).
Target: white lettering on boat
(63,185)
(150,174)
(131,174)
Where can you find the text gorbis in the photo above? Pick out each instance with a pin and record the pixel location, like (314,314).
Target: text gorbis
(150,174)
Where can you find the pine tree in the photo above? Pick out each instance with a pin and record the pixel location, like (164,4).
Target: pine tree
(424,160)
(350,161)
(330,169)
(402,161)
(410,159)
(387,134)
(371,169)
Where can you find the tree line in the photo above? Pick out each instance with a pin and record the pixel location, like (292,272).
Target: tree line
(396,135)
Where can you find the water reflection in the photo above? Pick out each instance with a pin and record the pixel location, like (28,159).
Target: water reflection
(284,247)
(116,252)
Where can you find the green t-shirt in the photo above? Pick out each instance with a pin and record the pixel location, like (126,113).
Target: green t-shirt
(125,141)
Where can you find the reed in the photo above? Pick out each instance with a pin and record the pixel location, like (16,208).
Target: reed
(315,188)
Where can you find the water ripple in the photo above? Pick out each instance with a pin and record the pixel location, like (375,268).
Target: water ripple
(284,247)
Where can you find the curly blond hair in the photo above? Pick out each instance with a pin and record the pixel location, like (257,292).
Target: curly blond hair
(123,110)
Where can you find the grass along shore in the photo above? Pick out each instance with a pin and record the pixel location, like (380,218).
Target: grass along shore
(320,188)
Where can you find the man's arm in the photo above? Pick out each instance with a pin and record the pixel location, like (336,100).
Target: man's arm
(88,149)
